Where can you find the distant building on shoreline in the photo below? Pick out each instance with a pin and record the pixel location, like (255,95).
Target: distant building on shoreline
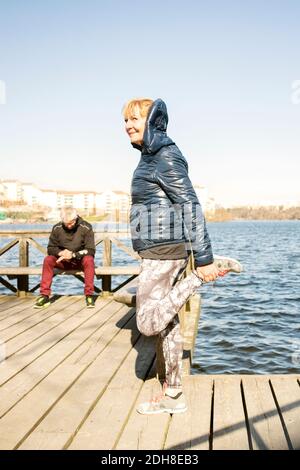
(113,204)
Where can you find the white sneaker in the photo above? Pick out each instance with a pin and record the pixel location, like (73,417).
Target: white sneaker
(166,404)
(223,263)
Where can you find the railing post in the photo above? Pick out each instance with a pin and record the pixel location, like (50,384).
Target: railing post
(189,268)
(107,259)
(23,281)
(160,361)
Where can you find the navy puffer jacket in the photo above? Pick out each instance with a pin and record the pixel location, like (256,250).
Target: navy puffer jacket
(165,208)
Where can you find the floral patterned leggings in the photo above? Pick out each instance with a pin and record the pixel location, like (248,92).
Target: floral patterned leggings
(160,295)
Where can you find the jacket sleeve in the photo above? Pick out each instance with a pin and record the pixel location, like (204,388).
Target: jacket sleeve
(89,245)
(172,176)
(53,245)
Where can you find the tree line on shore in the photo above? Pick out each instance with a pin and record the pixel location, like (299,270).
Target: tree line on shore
(219,215)
(254,213)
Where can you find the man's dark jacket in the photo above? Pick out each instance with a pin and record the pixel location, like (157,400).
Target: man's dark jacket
(160,183)
(80,237)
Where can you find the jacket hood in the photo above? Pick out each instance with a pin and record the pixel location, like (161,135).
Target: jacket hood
(155,134)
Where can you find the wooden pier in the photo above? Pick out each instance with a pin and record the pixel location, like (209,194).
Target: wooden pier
(71,377)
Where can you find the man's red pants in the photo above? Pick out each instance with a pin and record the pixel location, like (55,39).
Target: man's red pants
(86,264)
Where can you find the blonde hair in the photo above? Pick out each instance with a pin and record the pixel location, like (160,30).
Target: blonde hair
(142,103)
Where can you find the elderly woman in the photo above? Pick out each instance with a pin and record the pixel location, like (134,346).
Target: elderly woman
(167,225)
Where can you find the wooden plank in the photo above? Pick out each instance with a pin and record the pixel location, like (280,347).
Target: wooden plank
(191,321)
(123,247)
(17,314)
(190,331)
(141,431)
(80,347)
(8,285)
(118,270)
(264,422)
(191,430)
(100,270)
(25,332)
(22,313)
(78,315)
(229,427)
(127,294)
(104,424)
(8,246)
(287,392)
(19,270)
(71,408)
(12,233)
(106,261)
(122,317)
(6,298)
(37,245)
(14,301)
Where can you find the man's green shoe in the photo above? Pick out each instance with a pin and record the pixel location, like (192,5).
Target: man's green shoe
(42,302)
(90,302)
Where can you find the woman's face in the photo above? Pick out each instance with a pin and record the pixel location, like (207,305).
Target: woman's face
(135,126)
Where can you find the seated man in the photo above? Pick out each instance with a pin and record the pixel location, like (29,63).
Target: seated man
(71,246)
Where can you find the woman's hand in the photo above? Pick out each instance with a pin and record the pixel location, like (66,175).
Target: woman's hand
(209,272)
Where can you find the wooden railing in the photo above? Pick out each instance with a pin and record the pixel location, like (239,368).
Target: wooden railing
(26,240)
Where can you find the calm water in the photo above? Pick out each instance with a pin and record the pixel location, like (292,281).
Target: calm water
(249,323)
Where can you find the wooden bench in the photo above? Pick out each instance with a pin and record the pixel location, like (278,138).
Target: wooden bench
(25,241)
(99,271)
(127,293)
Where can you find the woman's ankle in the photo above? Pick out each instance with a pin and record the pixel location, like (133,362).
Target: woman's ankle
(173,391)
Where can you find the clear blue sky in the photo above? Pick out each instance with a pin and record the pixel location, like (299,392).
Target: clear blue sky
(224,68)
